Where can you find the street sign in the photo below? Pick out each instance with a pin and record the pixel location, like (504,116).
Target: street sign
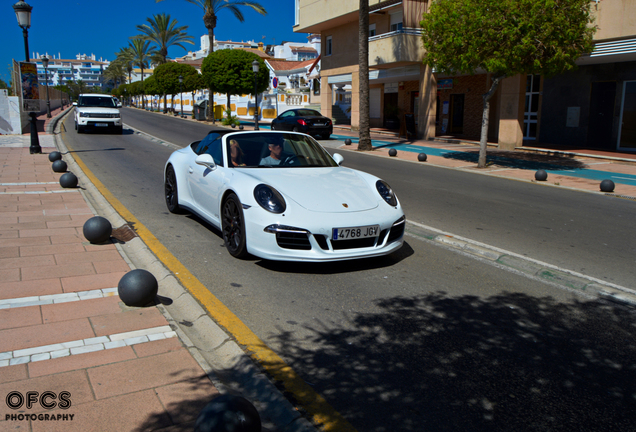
(275,82)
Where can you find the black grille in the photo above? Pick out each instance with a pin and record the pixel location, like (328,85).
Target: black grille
(101,115)
(353,244)
(396,233)
(382,236)
(288,240)
(322,241)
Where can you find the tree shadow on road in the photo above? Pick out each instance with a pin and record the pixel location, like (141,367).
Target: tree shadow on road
(510,362)
(519,159)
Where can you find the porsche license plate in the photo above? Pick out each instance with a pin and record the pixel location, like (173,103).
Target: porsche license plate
(352,233)
(101,124)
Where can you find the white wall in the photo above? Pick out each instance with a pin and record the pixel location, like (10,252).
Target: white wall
(9,114)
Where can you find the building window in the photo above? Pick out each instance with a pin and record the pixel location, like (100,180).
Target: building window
(396,21)
(328,46)
(531,110)
(371,30)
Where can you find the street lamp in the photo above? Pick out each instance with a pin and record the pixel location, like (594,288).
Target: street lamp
(181,93)
(255,70)
(23,14)
(45,62)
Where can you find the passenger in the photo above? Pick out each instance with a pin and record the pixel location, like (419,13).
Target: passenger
(236,154)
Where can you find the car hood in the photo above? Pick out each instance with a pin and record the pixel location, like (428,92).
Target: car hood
(99,110)
(323,190)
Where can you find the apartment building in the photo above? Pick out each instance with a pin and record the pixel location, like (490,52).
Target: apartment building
(60,71)
(592,107)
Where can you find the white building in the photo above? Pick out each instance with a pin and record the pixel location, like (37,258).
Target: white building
(61,71)
(296,51)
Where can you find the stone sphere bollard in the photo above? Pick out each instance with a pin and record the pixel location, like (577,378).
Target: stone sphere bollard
(59,166)
(422,157)
(347,141)
(233,125)
(393,152)
(137,288)
(97,229)
(541,175)
(607,185)
(68,180)
(240,127)
(54,156)
(228,413)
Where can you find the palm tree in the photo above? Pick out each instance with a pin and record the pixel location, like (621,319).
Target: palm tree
(115,72)
(210,9)
(164,34)
(142,52)
(363,60)
(127,57)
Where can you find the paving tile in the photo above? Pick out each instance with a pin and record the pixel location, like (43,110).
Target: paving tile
(144,373)
(44,218)
(30,288)
(45,272)
(92,282)
(137,319)
(10,275)
(47,232)
(98,247)
(141,411)
(13,373)
(44,334)
(158,347)
(20,317)
(65,224)
(68,238)
(22,226)
(85,308)
(8,234)
(23,262)
(63,257)
(185,400)
(9,252)
(29,241)
(74,382)
(111,266)
(49,249)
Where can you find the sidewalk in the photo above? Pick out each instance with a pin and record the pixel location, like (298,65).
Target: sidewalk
(63,327)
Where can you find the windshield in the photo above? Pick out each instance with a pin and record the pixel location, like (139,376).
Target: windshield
(276,150)
(96,101)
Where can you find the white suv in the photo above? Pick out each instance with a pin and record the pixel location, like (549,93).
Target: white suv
(97,111)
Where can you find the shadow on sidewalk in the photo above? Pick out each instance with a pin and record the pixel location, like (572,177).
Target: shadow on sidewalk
(519,160)
(509,362)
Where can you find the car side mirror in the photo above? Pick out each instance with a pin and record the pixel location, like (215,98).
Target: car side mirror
(338,158)
(74,103)
(206,160)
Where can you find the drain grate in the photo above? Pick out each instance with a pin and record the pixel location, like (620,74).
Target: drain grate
(124,233)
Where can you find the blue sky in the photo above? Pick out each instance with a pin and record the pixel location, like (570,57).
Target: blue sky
(70,27)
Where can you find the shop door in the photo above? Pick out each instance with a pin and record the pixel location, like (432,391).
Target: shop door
(599,131)
(627,133)
(457,114)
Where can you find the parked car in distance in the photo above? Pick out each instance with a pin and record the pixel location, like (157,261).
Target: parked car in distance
(117,102)
(304,120)
(97,111)
(281,196)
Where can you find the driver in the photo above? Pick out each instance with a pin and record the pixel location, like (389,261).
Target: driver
(276,155)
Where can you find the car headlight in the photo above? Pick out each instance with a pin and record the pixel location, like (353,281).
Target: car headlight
(269,198)
(83,114)
(386,193)
(116,115)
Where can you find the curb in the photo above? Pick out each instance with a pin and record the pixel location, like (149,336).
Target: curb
(227,366)
(562,278)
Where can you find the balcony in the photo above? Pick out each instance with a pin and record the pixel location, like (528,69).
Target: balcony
(398,47)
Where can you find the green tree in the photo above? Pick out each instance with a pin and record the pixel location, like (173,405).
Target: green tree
(210,9)
(142,52)
(230,71)
(126,57)
(364,142)
(163,32)
(3,85)
(167,76)
(115,72)
(506,38)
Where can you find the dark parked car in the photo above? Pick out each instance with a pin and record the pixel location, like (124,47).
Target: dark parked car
(304,120)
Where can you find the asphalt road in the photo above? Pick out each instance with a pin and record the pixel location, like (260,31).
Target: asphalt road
(425,339)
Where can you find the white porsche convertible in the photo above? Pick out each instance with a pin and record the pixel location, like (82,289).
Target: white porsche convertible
(281,196)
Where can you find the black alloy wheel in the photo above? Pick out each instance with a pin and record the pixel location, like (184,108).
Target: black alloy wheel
(171,192)
(233,227)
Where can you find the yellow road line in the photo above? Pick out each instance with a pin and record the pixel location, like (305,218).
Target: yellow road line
(315,405)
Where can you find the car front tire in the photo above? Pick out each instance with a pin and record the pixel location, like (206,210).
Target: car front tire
(233,227)
(80,129)
(171,192)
